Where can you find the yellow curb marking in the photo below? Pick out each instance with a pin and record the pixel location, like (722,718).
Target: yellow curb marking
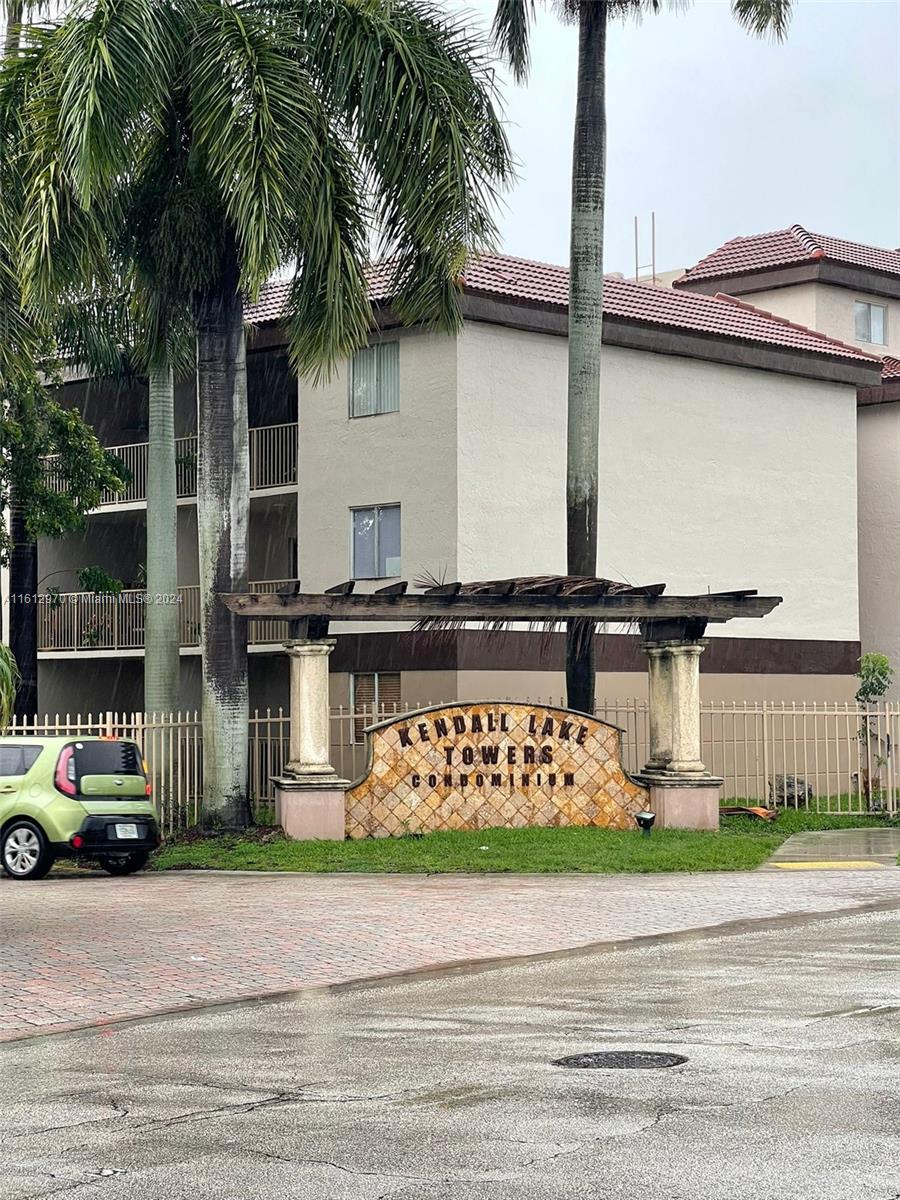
(844,865)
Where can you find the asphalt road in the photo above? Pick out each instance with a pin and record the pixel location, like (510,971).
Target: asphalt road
(442,1087)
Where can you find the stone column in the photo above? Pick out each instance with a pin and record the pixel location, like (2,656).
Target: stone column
(310,736)
(682,792)
(685,671)
(309,797)
(659,668)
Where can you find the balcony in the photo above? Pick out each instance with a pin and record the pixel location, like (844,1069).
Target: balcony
(86,622)
(273,465)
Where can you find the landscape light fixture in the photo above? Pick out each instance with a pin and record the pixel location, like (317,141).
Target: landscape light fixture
(645,821)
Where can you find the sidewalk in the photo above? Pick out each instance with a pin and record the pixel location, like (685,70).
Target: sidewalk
(86,951)
(838,849)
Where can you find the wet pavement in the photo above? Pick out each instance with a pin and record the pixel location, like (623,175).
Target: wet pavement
(442,1088)
(839,848)
(85,949)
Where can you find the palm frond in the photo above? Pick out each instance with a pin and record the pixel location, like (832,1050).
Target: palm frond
(255,119)
(113,66)
(764,17)
(415,91)
(511,32)
(9,682)
(328,314)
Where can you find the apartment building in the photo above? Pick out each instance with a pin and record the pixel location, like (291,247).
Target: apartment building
(848,291)
(728,459)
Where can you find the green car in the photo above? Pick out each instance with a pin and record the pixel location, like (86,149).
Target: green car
(76,798)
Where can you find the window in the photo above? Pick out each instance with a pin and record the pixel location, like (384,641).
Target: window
(376,541)
(375,380)
(17,760)
(871,323)
(373,697)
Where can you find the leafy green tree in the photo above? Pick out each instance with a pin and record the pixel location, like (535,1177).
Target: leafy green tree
(875,676)
(9,682)
(512,32)
(273,133)
(35,427)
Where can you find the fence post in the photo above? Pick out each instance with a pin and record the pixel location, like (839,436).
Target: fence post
(769,793)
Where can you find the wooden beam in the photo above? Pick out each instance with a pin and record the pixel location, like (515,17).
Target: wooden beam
(444,589)
(341,589)
(392,589)
(493,607)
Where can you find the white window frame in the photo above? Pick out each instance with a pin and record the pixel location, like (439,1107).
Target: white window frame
(377,509)
(378,412)
(869,305)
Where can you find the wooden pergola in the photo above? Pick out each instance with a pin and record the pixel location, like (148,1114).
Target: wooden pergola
(546,599)
(672,629)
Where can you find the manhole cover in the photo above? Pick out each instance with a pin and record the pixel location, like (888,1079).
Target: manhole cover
(621,1060)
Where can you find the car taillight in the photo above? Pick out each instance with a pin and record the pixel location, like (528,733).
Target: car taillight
(77,841)
(64,778)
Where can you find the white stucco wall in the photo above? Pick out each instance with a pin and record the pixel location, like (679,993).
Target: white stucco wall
(797,303)
(711,477)
(879,532)
(407,457)
(830,310)
(512,456)
(835,316)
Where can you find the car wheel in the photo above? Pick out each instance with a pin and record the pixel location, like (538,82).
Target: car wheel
(126,865)
(24,851)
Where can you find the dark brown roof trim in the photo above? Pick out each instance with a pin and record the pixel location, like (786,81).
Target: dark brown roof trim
(887,393)
(743,283)
(658,339)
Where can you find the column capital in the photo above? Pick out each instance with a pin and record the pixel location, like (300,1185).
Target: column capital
(689,649)
(674,646)
(306,647)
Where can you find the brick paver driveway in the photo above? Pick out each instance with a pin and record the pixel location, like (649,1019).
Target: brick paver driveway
(85,950)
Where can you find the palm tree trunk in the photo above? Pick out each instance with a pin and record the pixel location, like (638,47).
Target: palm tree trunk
(14,12)
(585,330)
(161,622)
(23,615)
(23,557)
(223,508)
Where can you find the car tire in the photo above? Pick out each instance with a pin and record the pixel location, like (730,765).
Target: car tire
(127,865)
(25,852)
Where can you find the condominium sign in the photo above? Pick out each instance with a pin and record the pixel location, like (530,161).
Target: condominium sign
(474,766)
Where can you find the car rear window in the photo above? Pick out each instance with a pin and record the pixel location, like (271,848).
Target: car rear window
(17,760)
(107,758)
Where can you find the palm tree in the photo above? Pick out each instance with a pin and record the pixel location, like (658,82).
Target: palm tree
(296,133)
(34,426)
(512,34)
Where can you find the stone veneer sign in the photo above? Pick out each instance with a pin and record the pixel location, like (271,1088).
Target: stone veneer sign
(475,766)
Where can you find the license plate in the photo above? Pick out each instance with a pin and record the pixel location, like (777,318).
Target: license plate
(126,831)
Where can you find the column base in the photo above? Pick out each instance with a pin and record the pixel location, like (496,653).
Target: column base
(311,807)
(683,802)
(302,770)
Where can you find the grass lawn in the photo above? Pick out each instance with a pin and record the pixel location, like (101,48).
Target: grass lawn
(740,845)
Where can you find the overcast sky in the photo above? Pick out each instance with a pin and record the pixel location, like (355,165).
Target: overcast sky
(721,133)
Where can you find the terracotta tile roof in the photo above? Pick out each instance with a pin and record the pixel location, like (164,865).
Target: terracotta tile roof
(890,368)
(719,315)
(521,281)
(784,248)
